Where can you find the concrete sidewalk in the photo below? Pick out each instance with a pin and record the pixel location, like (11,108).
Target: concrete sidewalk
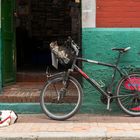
(79,127)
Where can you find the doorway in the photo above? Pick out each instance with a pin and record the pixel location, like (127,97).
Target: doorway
(39,22)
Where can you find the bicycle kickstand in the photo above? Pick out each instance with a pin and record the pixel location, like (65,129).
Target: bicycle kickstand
(108,103)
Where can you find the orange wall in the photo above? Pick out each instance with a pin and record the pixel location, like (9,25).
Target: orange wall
(118,13)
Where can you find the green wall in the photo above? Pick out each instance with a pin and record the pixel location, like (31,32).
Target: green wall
(97,44)
(0,14)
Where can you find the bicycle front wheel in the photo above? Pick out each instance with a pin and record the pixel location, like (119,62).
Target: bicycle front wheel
(128,92)
(61,102)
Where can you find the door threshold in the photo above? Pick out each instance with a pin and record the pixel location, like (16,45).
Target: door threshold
(31,76)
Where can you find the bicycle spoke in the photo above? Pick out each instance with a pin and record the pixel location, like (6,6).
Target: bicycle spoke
(126,98)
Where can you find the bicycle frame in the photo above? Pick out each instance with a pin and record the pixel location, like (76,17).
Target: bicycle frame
(94,82)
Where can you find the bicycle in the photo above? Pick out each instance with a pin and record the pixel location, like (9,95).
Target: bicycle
(62,95)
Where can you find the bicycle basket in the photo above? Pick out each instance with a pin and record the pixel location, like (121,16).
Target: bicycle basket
(64,53)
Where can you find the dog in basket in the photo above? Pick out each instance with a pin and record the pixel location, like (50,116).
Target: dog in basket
(61,52)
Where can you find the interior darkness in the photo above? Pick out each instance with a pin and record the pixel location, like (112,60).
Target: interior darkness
(38,22)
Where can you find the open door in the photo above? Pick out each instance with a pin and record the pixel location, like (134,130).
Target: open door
(8,42)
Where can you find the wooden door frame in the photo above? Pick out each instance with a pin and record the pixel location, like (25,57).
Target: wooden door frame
(0,50)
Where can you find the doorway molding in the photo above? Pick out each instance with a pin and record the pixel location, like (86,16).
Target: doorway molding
(0,50)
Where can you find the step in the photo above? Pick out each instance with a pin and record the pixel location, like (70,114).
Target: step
(21,92)
(26,92)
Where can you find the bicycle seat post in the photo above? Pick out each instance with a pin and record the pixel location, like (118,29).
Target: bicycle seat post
(121,51)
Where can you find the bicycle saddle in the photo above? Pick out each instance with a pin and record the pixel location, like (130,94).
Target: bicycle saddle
(121,49)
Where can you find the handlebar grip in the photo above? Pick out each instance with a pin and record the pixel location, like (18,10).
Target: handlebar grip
(128,48)
(73,45)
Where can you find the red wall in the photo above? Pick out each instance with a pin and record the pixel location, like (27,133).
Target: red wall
(118,13)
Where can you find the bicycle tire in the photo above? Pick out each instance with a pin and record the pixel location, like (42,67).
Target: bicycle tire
(129,85)
(64,113)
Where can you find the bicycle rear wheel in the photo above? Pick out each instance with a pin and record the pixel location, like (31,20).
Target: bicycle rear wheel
(59,102)
(129,91)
